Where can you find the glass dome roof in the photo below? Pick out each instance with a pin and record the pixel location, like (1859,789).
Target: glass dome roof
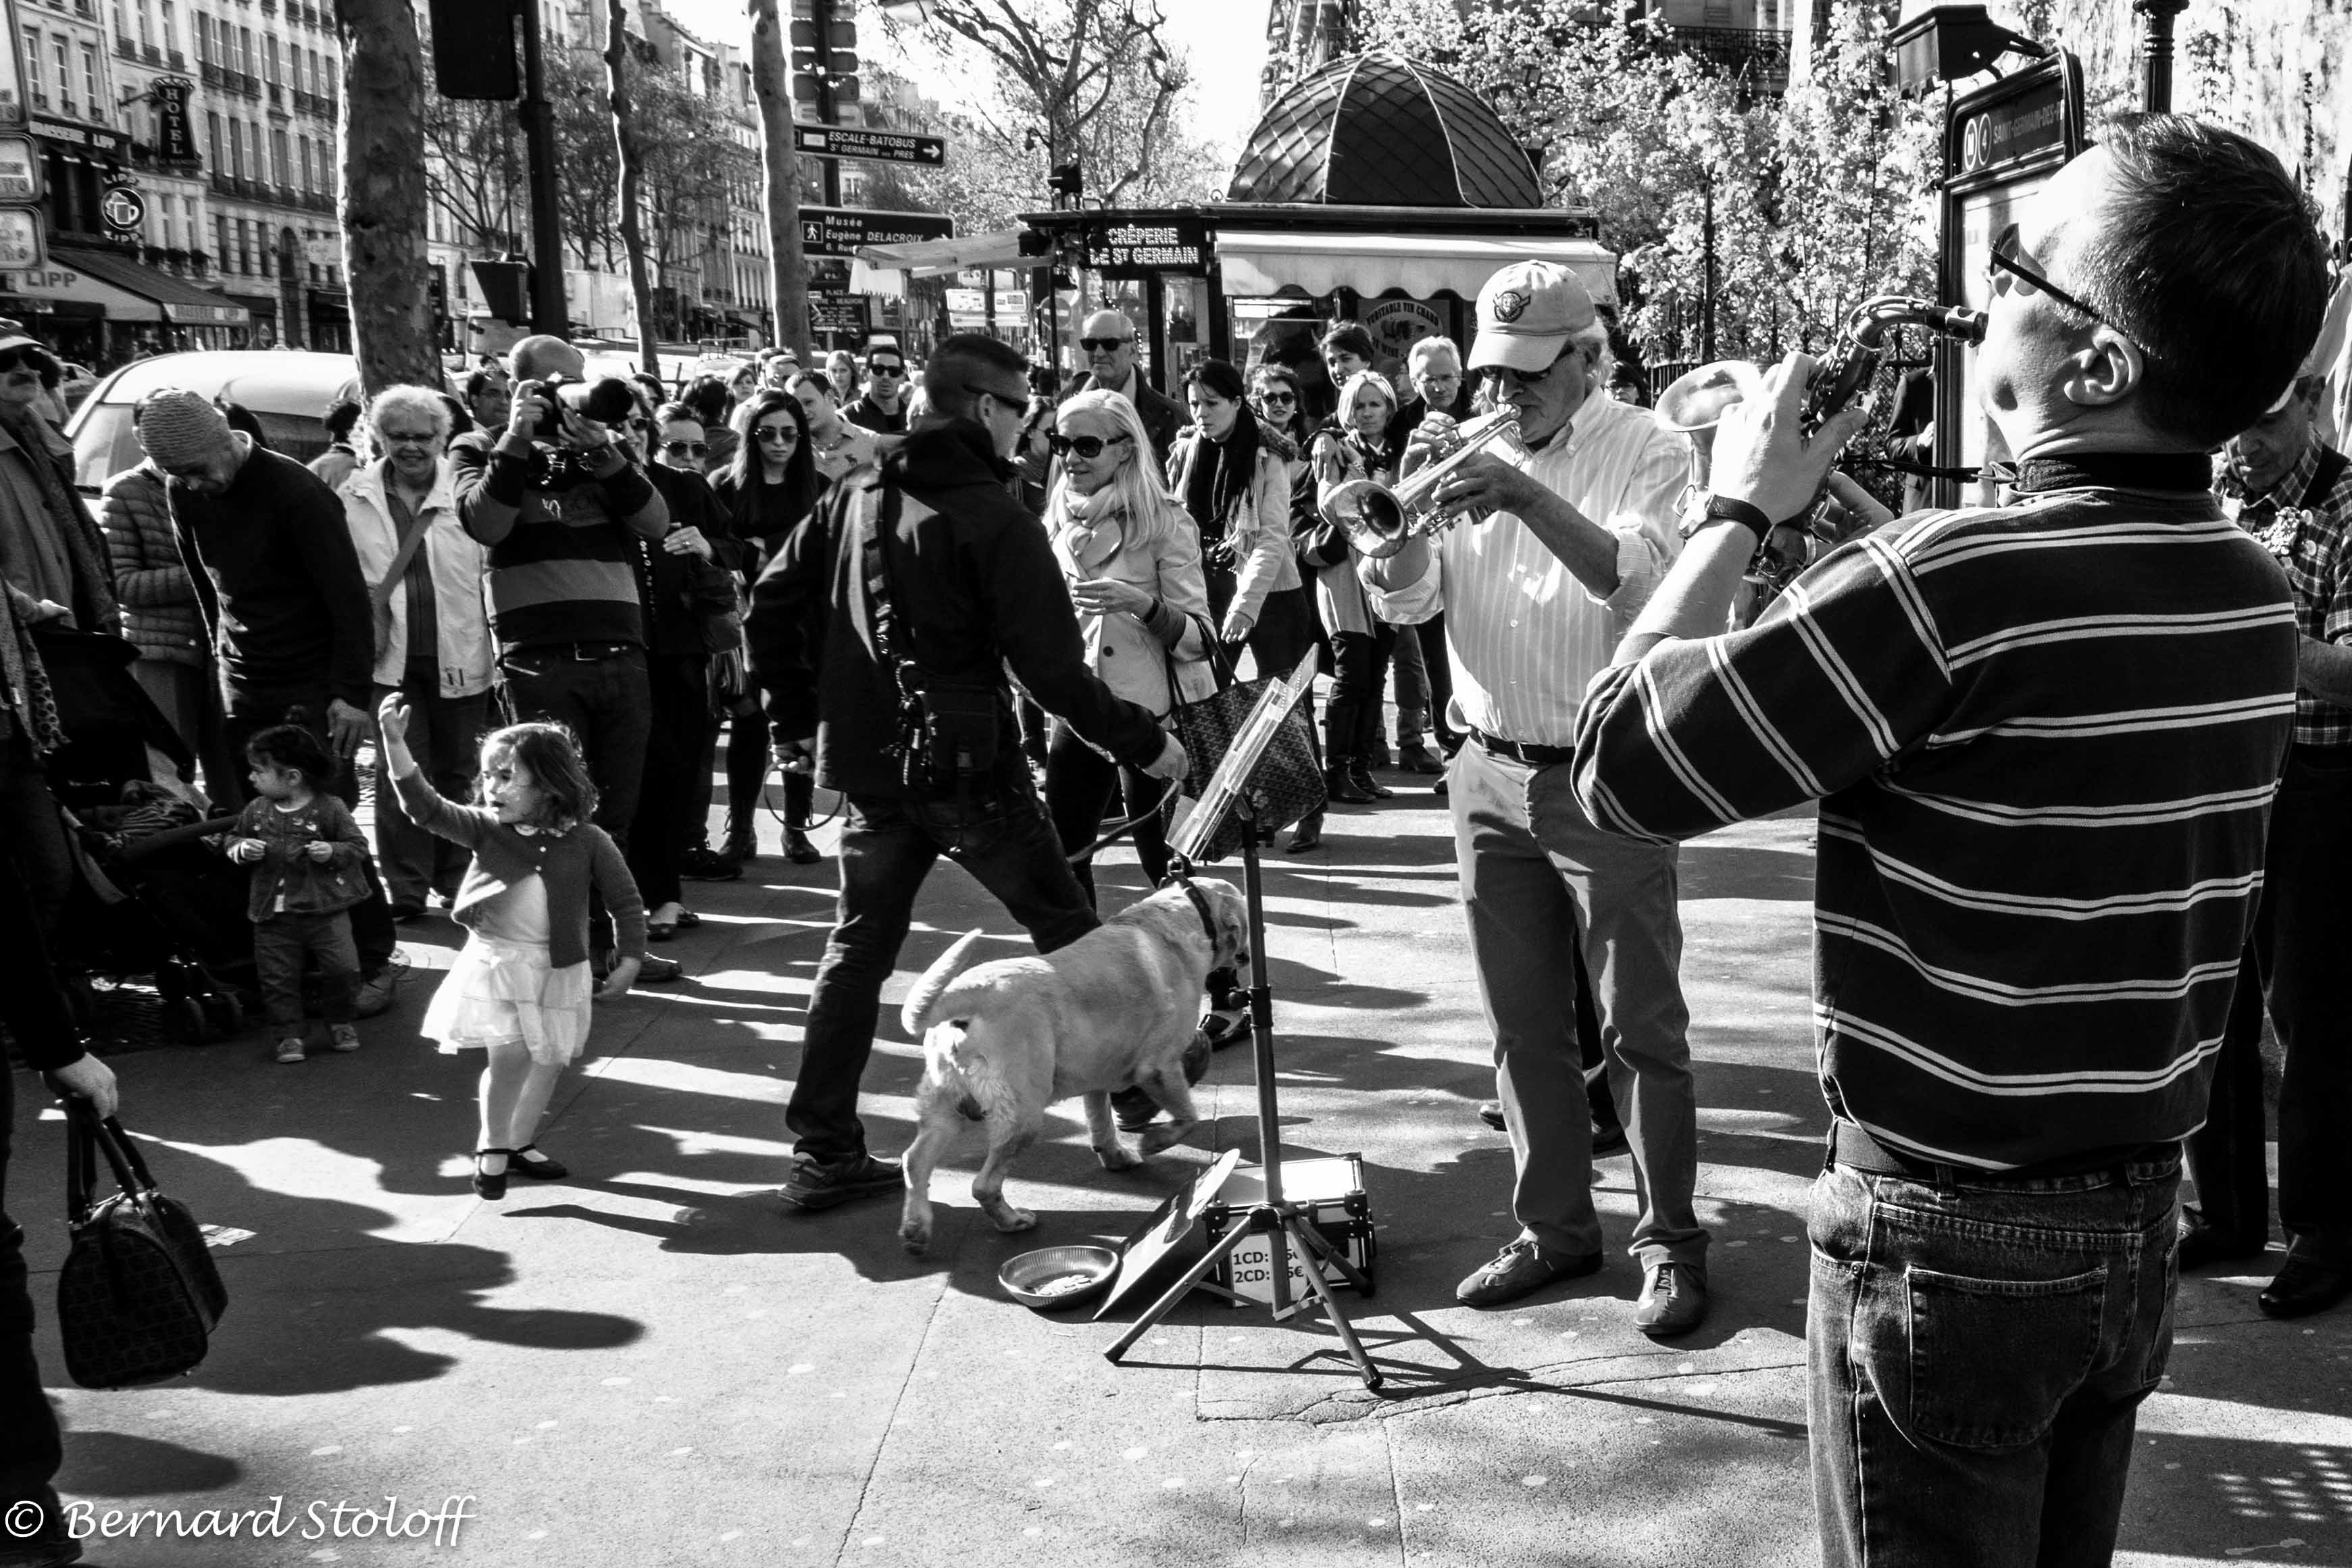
(1379,129)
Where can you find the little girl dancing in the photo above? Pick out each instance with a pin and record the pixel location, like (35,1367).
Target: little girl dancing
(520,987)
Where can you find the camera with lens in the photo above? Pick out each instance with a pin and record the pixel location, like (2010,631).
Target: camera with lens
(607,400)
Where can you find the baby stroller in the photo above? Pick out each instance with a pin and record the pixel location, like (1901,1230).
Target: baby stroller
(151,896)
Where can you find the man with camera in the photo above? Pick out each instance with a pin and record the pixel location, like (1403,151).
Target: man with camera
(2045,738)
(1535,599)
(881,634)
(561,506)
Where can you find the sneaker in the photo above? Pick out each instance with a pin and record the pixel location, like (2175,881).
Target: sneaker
(374,995)
(290,1051)
(702,863)
(815,1184)
(1673,1301)
(343,1036)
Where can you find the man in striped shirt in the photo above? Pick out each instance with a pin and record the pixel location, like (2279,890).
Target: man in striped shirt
(1534,600)
(2293,492)
(2044,738)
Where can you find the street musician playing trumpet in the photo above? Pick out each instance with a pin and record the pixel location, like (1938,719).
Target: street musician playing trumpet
(1536,597)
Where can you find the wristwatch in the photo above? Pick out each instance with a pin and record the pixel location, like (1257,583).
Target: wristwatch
(1704,508)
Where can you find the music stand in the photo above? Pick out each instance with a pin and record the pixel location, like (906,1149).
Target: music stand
(1285,1224)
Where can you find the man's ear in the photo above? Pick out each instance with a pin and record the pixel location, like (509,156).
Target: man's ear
(2105,373)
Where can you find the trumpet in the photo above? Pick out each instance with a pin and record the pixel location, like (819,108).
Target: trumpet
(1379,518)
(1693,405)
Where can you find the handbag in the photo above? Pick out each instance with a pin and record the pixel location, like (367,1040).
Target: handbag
(138,1293)
(1287,782)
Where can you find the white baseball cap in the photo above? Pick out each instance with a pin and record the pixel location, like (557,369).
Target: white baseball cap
(1527,313)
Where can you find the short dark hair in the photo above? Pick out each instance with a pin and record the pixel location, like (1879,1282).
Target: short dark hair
(342,415)
(1220,377)
(707,397)
(294,745)
(818,378)
(1349,338)
(960,363)
(2210,258)
(481,381)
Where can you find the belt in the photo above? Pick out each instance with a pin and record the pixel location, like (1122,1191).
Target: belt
(583,652)
(1524,751)
(1851,1147)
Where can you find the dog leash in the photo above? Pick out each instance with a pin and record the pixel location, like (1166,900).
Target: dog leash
(1167,807)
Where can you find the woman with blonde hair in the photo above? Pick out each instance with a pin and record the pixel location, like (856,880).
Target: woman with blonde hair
(1354,444)
(1133,557)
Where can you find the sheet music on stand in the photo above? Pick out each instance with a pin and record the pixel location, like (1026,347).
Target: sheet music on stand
(1225,785)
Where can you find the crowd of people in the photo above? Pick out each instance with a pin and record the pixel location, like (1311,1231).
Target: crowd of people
(2079,757)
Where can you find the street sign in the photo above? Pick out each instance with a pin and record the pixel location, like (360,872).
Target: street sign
(20,169)
(1010,302)
(20,240)
(837,313)
(842,231)
(874,146)
(123,209)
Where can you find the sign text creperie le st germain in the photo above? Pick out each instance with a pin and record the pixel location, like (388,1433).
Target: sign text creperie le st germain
(1175,244)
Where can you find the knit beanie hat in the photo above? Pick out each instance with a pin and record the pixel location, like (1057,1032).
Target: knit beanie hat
(179,427)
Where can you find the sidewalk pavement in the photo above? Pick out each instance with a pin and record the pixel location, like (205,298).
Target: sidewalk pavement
(652,1364)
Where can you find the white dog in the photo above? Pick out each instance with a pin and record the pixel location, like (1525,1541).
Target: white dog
(1004,1040)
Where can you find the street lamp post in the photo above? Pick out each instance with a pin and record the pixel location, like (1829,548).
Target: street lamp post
(2156,52)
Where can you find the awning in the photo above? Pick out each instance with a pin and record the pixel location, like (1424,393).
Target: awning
(1259,263)
(157,296)
(885,268)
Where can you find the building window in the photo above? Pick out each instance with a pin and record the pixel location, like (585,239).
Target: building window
(212,134)
(204,37)
(235,165)
(64,76)
(170,29)
(33,82)
(270,50)
(245,50)
(90,83)
(284,172)
(306,164)
(220,241)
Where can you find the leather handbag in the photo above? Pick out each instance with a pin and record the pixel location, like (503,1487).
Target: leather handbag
(1287,782)
(138,1293)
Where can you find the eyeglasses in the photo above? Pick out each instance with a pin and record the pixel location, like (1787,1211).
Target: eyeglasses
(1087,446)
(1503,376)
(409,438)
(685,448)
(2006,256)
(778,435)
(1104,345)
(873,370)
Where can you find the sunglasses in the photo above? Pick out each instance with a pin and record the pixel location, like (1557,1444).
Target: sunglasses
(780,434)
(1284,398)
(1103,345)
(1087,446)
(685,448)
(886,370)
(2006,256)
(16,359)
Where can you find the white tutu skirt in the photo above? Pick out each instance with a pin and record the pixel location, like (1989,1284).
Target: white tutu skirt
(508,990)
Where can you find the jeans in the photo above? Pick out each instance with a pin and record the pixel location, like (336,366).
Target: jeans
(667,820)
(32,834)
(1538,879)
(1080,785)
(1360,667)
(2296,956)
(1975,1357)
(1412,685)
(250,710)
(607,706)
(281,943)
(887,847)
(33,1008)
(445,735)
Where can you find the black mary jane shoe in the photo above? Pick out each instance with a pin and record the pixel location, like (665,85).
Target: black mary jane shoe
(531,1162)
(485,1184)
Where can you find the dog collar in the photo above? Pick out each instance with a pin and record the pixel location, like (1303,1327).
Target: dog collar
(1200,907)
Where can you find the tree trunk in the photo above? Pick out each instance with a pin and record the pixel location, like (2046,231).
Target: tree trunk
(625,138)
(782,164)
(383,207)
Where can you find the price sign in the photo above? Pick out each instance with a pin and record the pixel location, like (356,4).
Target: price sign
(20,240)
(20,169)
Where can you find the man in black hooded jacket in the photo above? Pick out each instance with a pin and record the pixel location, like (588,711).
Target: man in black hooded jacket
(932,547)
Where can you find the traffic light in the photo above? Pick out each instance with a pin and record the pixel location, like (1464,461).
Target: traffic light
(474,50)
(506,289)
(1068,183)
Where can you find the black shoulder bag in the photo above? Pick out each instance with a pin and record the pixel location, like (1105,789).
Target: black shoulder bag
(949,734)
(138,1293)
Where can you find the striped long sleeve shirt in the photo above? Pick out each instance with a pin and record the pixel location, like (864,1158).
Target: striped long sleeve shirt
(2044,738)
